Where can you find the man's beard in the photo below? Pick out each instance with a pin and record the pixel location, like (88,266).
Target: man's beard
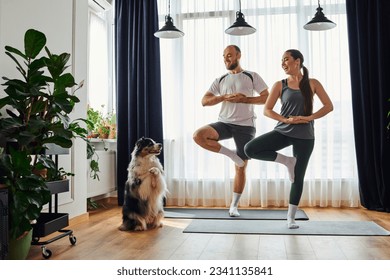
(233,66)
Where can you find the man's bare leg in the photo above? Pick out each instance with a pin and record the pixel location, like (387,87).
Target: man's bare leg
(207,138)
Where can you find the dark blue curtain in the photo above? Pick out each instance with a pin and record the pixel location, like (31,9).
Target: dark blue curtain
(369,48)
(138,82)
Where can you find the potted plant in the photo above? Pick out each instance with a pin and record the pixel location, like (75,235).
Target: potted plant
(37,108)
(111,120)
(94,117)
(101,125)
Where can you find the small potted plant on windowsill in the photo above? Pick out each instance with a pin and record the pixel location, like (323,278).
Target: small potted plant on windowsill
(94,117)
(37,109)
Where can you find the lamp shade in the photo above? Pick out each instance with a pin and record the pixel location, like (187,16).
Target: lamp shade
(319,22)
(169,31)
(240,26)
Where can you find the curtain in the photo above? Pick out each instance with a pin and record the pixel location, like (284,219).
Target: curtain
(138,81)
(197,177)
(369,37)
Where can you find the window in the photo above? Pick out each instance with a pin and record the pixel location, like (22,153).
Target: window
(191,63)
(100,57)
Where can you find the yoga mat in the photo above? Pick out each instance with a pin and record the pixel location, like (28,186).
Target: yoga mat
(341,228)
(246,214)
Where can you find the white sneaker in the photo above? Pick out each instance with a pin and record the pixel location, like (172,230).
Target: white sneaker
(233,212)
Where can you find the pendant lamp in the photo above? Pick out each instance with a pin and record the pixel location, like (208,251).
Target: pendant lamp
(319,22)
(169,31)
(240,26)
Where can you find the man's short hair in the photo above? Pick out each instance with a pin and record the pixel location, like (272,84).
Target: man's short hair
(236,48)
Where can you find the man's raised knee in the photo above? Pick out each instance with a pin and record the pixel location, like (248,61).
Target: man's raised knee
(196,137)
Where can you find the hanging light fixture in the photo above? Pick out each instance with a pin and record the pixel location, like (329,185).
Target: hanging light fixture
(319,22)
(240,26)
(169,31)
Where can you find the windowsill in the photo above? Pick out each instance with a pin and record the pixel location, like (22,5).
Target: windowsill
(98,140)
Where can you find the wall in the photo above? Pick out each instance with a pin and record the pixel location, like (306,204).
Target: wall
(65,24)
(106,185)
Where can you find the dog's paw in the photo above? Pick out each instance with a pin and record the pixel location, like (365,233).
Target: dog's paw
(154,170)
(123,227)
(140,228)
(155,225)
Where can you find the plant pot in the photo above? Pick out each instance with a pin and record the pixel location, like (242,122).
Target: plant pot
(112,134)
(59,186)
(41,172)
(18,249)
(103,132)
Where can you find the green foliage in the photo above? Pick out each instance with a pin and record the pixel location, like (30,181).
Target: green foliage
(28,192)
(91,204)
(98,122)
(94,117)
(37,107)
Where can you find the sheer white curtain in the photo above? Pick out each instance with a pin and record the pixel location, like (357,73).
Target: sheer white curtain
(197,177)
(100,69)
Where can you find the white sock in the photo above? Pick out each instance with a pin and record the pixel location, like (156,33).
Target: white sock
(238,161)
(292,209)
(233,211)
(289,162)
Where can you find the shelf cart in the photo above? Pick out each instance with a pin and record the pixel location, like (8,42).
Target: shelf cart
(51,222)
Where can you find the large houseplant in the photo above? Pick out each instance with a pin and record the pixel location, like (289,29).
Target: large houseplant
(35,114)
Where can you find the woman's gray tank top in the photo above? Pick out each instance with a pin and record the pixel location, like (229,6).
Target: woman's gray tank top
(293,105)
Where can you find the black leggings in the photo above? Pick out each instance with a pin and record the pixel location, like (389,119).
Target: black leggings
(265,146)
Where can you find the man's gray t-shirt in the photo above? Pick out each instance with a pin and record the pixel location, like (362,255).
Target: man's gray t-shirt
(238,113)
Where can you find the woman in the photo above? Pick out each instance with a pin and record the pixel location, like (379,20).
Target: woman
(295,125)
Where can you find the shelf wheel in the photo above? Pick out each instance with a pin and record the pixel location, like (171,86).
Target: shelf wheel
(46,253)
(72,239)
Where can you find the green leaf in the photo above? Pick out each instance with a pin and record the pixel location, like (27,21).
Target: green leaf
(10,124)
(61,100)
(34,41)
(20,68)
(45,162)
(37,64)
(65,120)
(20,162)
(15,83)
(15,51)
(56,64)
(90,150)
(4,101)
(60,141)
(65,81)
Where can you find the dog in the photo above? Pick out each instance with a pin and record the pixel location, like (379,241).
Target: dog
(145,188)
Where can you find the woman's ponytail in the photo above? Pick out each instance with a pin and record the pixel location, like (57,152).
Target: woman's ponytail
(307,93)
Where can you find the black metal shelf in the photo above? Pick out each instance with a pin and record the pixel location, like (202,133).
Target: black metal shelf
(51,222)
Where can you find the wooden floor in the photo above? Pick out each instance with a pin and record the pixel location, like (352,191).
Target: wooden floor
(98,238)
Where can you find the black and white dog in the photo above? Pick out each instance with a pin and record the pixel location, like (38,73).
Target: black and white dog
(145,188)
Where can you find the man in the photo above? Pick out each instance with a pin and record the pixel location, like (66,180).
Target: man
(235,90)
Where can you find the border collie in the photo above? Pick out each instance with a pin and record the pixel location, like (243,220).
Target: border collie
(145,188)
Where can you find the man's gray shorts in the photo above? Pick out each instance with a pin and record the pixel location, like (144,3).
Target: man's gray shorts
(241,135)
